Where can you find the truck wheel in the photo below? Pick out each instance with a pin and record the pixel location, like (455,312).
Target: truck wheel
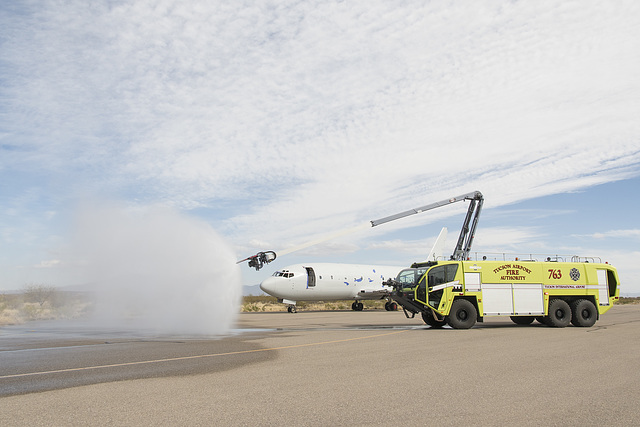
(583,313)
(430,320)
(522,320)
(542,320)
(463,314)
(559,313)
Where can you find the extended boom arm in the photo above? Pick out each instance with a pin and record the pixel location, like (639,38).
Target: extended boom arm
(466,234)
(462,247)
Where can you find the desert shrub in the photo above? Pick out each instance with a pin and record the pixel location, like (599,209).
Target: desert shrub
(30,311)
(10,301)
(374,304)
(10,316)
(251,307)
(267,299)
(39,293)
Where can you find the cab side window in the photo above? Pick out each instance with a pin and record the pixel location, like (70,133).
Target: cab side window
(450,272)
(442,274)
(437,276)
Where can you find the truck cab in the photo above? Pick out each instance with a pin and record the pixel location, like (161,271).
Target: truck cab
(431,285)
(410,290)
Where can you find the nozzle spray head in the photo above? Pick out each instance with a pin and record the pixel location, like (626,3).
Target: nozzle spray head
(260,259)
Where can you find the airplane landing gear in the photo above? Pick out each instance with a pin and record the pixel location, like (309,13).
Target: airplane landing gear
(357,306)
(390,306)
(292,309)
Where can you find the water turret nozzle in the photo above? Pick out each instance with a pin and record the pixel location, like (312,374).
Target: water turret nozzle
(260,259)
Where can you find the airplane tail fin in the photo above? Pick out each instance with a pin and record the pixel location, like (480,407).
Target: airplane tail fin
(438,246)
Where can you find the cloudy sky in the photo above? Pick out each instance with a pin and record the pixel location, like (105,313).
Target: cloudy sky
(278,122)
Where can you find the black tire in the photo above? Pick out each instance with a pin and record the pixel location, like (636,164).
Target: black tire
(430,320)
(387,306)
(463,314)
(393,306)
(359,306)
(543,320)
(583,313)
(522,320)
(559,313)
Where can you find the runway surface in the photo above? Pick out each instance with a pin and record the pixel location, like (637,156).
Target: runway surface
(320,368)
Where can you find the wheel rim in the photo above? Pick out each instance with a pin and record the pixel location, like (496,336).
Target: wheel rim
(586,313)
(463,315)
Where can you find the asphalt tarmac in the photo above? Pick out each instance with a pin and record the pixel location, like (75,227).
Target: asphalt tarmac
(325,368)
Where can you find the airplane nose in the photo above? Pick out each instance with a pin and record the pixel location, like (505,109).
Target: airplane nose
(269,286)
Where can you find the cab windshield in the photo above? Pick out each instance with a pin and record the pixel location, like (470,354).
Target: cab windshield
(407,277)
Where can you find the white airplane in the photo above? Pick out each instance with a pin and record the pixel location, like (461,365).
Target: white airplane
(333,282)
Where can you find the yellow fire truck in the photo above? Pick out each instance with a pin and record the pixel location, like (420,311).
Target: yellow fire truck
(461,293)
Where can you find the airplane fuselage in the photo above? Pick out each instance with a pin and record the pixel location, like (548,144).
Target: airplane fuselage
(327,282)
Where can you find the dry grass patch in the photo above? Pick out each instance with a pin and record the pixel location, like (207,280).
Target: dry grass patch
(266,303)
(42,303)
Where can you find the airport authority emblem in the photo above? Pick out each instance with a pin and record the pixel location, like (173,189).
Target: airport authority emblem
(575,274)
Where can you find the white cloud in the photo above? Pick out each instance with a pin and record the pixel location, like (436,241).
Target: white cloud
(311,116)
(48,263)
(629,234)
(507,237)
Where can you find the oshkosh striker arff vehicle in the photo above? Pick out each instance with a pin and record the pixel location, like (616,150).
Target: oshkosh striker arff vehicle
(461,293)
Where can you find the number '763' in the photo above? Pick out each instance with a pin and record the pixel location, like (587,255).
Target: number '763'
(556,274)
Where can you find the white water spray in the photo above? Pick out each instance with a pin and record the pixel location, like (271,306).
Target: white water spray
(155,270)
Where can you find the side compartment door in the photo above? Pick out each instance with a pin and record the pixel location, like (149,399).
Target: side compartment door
(472,282)
(512,298)
(497,299)
(528,298)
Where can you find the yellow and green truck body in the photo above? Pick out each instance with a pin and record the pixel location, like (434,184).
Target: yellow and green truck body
(461,293)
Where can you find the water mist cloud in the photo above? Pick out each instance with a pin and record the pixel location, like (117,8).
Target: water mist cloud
(156,270)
